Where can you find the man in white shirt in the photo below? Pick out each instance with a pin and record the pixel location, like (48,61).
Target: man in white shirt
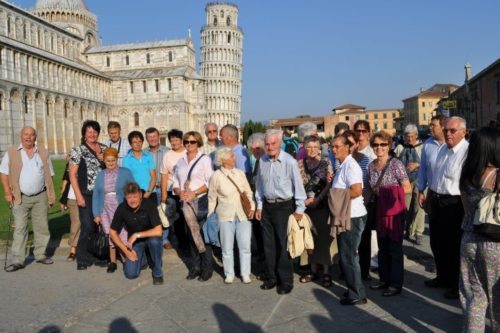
(115,141)
(446,207)
(26,172)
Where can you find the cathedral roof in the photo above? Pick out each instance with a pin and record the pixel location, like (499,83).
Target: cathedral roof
(138,46)
(60,4)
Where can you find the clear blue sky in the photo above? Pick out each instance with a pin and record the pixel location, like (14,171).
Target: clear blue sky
(306,57)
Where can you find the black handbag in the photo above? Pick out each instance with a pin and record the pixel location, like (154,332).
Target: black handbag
(98,242)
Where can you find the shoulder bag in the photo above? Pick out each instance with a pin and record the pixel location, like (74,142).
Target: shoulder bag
(201,210)
(245,202)
(487,214)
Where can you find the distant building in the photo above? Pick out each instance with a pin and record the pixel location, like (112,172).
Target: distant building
(380,119)
(54,74)
(420,108)
(478,100)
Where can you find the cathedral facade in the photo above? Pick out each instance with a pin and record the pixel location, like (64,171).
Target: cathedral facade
(54,74)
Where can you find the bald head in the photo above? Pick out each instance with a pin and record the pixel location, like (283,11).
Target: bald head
(28,137)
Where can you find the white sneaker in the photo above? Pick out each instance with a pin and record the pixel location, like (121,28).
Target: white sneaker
(229,280)
(246,279)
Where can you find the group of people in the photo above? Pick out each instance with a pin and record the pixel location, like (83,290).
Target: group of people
(202,193)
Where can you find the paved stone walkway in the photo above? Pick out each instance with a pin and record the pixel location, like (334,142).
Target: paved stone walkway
(58,298)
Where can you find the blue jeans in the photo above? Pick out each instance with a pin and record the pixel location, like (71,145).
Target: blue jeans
(243,231)
(349,241)
(132,269)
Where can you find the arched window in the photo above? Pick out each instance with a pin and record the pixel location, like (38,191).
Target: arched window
(228,21)
(215,21)
(136,119)
(47,105)
(222,13)
(229,38)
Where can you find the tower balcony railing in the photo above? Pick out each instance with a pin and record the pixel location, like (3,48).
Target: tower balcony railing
(232,27)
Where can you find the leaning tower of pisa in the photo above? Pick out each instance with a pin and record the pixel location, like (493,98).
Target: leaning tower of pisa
(221,63)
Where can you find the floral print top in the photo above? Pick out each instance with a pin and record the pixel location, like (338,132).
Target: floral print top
(88,166)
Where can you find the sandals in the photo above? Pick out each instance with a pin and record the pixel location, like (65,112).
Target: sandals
(309,277)
(327,281)
(14,267)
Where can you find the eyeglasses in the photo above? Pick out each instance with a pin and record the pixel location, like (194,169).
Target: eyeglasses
(383,145)
(212,131)
(191,142)
(109,161)
(361,130)
(312,147)
(451,130)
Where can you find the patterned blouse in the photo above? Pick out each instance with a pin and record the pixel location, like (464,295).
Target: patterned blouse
(394,175)
(315,179)
(91,167)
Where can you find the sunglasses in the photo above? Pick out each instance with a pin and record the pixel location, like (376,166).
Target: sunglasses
(383,145)
(451,130)
(191,142)
(361,131)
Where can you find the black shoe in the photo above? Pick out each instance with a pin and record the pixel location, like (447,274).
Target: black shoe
(14,267)
(391,291)
(284,289)
(268,284)
(205,276)
(81,267)
(111,267)
(193,274)
(451,294)
(378,285)
(434,283)
(45,261)
(348,301)
(345,294)
(157,280)
(101,263)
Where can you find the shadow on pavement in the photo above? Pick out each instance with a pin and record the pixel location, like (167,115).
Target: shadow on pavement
(121,325)
(230,322)
(346,318)
(50,329)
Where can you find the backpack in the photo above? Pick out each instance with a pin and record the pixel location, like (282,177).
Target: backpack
(291,146)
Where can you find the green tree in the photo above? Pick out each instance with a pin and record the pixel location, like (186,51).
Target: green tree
(251,127)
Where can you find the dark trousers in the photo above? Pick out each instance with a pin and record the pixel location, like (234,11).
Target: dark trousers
(199,261)
(445,226)
(179,226)
(274,225)
(365,246)
(132,269)
(257,248)
(390,261)
(349,241)
(83,257)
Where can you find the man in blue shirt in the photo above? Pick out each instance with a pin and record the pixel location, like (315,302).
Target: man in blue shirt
(279,194)
(229,135)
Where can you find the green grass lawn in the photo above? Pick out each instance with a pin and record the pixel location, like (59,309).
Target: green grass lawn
(58,222)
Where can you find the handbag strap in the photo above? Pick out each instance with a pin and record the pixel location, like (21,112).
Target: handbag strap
(379,181)
(192,167)
(232,181)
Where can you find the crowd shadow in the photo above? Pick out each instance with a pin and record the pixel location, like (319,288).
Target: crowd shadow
(119,325)
(340,319)
(230,322)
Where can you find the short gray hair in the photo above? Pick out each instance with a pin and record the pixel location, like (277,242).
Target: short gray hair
(274,131)
(256,137)
(462,121)
(209,124)
(221,154)
(411,128)
(306,129)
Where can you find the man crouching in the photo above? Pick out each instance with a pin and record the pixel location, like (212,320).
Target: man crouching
(141,220)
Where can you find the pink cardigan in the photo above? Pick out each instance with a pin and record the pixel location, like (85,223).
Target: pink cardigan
(391,207)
